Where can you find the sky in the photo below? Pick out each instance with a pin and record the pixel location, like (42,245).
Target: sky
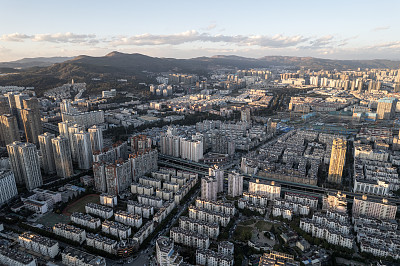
(338,29)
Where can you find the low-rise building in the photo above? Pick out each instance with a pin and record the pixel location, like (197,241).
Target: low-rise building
(204,228)
(15,257)
(117,229)
(108,200)
(148,181)
(70,232)
(85,220)
(285,212)
(189,238)
(144,232)
(217,206)
(226,248)
(209,216)
(127,218)
(137,188)
(171,186)
(101,243)
(295,207)
(267,188)
(332,226)
(140,209)
(210,257)
(150,201)
(374,208)
(99,210)
(164,194)
(74,257)
(277,258)
(39,244)
(310,201)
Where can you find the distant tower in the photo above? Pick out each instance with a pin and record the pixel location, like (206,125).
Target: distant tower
(65,106)
(8,129)
(31,119)
(209,188)
(83,150)
(63,128)
(235,184)
(62,157)
(24,160)
(336,164)
(46,148)
(72,130)
(4,106)
(219,175)
(96,138)
(245,115)
(386,108)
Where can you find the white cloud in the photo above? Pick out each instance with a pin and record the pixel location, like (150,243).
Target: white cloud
(387,45)
(381,28)
(195,36)
(67,37)
(14,37)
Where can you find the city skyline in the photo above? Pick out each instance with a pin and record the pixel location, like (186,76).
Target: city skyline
(356,30)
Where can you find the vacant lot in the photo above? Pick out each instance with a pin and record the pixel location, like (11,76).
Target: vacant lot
(243,233)
(263,226)
(52,218)
(249,229)
(79,205)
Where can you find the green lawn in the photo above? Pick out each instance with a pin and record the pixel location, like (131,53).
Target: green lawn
(79,205)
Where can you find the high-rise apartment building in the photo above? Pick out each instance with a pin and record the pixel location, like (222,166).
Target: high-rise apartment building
(72,130)
(19,105)
(62,157)
(140,143)
(112,178)
(63,128)
(85,119)
(8,129)
(83,150)
(143,162)
(386,108)
(96,138)
(32,125)
(336,164)
(219,175)
(24,160)
(8,187)
(235,184)
(209,188)
(46,149)
(4,105)
(191,149)
(245,115)
(31,119)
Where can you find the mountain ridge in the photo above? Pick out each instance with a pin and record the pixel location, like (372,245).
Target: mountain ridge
(135,67)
